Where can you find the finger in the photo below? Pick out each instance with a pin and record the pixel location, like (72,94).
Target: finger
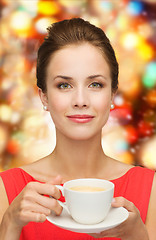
(33,207)
(27,216)
(113,232)
(122,202)
(43,189)
(49,203)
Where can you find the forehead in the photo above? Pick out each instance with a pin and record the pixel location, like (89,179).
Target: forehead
(78,57)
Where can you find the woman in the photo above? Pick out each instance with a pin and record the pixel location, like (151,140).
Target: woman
(77,77)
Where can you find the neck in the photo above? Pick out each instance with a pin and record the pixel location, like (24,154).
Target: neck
(78,158)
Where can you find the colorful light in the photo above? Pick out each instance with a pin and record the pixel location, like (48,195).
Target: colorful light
(5,113)
(122,112)
(76,4)
(130,40)
(130,28)
(111,32)
(106,5)
(151,98)
(145,51)
(145,30)
(119,100)
(126,157)
(131,134)
(131,87)
(135,7)
(145,129)
(147,153)
(122,21)
(3,138)
(13,146)
(21,23)
(121,146)
(42,24)
(29,6)
(48,8)
(149,78)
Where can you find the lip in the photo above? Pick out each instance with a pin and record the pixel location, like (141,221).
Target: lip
(78,118)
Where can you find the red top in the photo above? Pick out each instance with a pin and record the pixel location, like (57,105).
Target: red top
(135,185)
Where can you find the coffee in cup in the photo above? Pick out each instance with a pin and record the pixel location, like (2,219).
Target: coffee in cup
(87,189)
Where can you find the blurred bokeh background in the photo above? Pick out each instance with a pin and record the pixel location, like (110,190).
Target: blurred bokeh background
(26,131)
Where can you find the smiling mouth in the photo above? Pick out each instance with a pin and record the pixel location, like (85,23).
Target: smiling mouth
(80,118)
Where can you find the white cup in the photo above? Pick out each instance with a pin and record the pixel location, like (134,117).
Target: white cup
(87,207)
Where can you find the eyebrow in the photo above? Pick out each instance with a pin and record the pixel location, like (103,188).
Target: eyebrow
(96,76)
(90,77)
(64,77)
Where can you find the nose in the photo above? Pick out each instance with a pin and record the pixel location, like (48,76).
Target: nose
(80,98)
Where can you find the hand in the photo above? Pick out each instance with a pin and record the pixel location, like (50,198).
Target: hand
(131,229)
(31,205)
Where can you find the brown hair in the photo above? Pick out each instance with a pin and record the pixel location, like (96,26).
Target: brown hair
(74,31)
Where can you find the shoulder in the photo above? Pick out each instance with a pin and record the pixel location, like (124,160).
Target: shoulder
(13,175)
(137,171)
(116,169)
(14,180)
(142,178)
(151,215)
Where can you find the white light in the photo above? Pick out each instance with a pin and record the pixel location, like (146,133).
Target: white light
(118,100)
(20,21)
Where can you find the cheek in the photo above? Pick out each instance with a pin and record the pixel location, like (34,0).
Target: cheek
(57,103)
(102,104)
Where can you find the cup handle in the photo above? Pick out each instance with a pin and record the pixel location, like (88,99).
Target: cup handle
(61,203)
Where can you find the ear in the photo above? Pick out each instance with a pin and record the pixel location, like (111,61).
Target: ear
(43,97)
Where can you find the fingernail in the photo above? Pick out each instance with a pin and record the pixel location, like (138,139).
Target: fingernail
(113,200)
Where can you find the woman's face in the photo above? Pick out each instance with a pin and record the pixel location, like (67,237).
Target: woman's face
(78,91)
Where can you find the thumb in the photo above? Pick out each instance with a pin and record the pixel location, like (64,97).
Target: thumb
(123,202)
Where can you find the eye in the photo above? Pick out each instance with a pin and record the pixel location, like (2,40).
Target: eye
(64,86)
(96,85)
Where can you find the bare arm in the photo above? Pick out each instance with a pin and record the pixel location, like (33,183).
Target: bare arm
(3,200)
(151,215)
(5,225)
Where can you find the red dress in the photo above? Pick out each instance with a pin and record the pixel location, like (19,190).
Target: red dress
(135,185)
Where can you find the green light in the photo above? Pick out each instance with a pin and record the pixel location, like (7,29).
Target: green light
(149,78)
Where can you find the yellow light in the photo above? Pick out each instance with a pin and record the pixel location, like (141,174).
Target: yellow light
(131,86)
(145,51)
(111,33)
(3,138)
(48,7)
(148,153)
(5,113)
(122,21)
(126,157)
